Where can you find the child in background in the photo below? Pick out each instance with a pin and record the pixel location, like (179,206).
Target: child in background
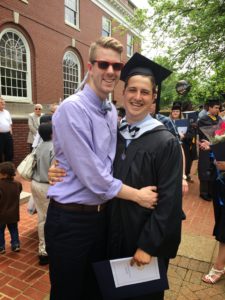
(10,190)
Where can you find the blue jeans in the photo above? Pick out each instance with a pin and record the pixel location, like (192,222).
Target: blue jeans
(13,230)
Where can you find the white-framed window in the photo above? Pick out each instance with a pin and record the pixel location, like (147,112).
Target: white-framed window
(72,12)
(130,45)
(106,26)
(15,67)
(71,73)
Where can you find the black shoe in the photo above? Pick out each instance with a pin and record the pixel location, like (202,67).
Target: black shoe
(43,260)
(16,248)
(205,197)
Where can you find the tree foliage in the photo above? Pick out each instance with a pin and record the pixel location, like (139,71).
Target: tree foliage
(192,34)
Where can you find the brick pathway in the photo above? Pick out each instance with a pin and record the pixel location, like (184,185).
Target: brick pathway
(185,273)
(22,278)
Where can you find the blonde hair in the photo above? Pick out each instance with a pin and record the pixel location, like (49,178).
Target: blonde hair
(107,43)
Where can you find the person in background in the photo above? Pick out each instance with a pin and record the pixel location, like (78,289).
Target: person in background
(203,112)
(33,123)
(10,190)
(176,114)
(218,191)
(121,113)
(222,111)
(39,184)
(6,139)
(212,118)
(169,124)
(75,229)
(45,118)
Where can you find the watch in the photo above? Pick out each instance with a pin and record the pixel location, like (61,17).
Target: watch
(184,177)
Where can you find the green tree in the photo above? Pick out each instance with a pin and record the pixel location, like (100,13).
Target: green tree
(192,34)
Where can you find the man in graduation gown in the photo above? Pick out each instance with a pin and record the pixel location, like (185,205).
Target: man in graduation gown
(204,173)
(147,154)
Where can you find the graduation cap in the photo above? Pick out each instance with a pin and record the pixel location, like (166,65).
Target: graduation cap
(141,65)
(177,105)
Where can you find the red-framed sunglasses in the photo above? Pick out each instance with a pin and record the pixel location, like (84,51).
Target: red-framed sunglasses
(103,65)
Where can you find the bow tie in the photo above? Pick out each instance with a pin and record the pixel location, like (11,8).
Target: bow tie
(132,130)
(106,106)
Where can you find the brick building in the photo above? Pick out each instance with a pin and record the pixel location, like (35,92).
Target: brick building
(44,51)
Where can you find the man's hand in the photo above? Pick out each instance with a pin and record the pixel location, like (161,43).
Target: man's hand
(220,165)
(55,174)
(140,258)
(184,186)
(147,197)
(204,145)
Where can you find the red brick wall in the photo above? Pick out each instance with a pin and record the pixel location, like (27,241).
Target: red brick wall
(20,132)
(42,23)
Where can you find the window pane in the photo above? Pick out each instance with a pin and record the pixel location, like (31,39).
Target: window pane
(3,92)
(129,45)
(71,4)
(14,92)
(71,66)
(13,60)
(71,11)
(106,27)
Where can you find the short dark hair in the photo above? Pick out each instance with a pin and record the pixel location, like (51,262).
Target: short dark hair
(213,101)
(8,168)
(45,131)
(45,119)
(121,112)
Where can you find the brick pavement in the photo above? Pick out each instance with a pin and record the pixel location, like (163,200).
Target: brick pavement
(185,271)
(22,278)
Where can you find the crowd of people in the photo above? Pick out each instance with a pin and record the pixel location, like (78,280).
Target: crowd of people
(115,194)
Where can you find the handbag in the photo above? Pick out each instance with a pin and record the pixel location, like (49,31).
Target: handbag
(26,167)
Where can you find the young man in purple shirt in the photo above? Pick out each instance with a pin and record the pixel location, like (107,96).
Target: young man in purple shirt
(84,137)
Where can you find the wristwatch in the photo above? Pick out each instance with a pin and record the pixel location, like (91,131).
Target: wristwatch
(184,177)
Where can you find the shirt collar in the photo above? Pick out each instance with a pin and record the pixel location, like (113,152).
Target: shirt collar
(93,99)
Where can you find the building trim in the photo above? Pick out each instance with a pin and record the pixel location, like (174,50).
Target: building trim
(118,11)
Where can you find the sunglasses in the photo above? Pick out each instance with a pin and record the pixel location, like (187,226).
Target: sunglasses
(103,65)
(37,108)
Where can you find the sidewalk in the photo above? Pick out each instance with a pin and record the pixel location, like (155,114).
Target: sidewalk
(22,278)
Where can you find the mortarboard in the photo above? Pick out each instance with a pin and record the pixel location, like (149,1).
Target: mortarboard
(177,105)
(141,65)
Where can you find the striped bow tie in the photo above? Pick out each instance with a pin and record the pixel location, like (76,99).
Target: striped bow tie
(106,106)
(132,130)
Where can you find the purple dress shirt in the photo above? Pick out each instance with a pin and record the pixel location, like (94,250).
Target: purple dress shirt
(84,138)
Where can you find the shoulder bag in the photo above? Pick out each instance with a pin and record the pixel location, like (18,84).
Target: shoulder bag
(26,167)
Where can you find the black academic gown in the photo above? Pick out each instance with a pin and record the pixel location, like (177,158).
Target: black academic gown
(204,164)
(152,159)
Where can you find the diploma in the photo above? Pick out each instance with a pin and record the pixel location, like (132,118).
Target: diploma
(118,280)
(125,274)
